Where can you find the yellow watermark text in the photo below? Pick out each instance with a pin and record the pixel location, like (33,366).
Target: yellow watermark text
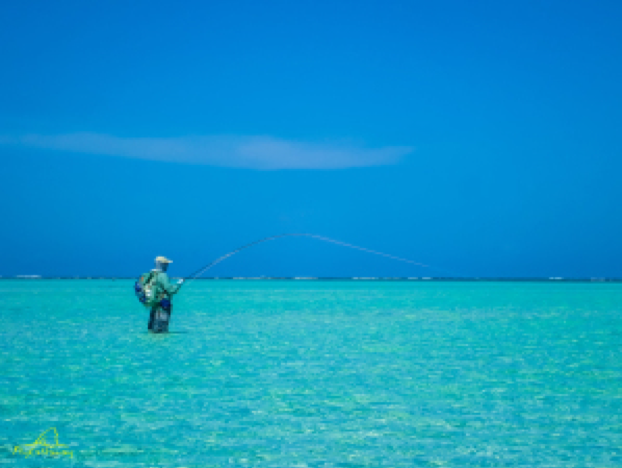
(43,448)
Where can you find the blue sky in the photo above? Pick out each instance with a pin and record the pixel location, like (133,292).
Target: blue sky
(482,138)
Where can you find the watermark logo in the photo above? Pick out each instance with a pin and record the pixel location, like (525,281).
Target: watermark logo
(43,447)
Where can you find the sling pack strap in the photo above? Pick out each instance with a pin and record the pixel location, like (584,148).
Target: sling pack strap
(149,276)
(163,292)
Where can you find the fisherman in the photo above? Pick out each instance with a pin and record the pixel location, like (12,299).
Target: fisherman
(163,291)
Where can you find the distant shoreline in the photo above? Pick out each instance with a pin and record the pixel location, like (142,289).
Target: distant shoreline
(376,279)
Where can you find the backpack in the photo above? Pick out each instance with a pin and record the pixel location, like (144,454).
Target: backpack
(144,289)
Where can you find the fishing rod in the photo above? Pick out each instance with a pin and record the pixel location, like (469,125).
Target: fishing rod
(202,270)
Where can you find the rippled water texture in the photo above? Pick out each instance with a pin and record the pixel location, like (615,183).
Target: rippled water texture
(320,374)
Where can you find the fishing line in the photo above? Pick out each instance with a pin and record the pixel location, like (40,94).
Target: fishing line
(202,270)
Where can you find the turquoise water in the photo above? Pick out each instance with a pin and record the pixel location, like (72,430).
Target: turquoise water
(314,374)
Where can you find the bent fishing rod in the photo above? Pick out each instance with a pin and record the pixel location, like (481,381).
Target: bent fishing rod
(202,270)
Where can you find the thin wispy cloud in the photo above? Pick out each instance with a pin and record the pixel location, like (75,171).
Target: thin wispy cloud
(253,152)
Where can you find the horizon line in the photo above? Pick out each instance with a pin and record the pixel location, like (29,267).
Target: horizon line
(338,278)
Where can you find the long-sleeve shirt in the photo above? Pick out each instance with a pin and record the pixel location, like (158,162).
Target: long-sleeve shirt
(162,284)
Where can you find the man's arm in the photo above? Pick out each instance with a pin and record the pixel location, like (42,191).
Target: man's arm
(167,286)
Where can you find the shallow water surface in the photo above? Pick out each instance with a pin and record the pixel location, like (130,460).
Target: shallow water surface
(313,374)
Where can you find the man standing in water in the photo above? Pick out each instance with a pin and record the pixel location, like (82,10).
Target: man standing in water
(162,290)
